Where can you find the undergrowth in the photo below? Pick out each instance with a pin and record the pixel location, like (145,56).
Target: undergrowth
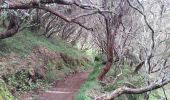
(21,81)
(4,92)
(91,83)
(92,86)
(127,78)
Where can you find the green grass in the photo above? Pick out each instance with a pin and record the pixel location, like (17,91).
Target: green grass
(93,88)
(158,94)
(4,92)
(23,43)
(90,84)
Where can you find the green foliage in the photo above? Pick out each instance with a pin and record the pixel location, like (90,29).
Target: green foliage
(99,58)
(20,81)
(4,93)
(159,94)
(154,95)
(52,70)
(127,78)
(86,91)
(92,87)
(85,65)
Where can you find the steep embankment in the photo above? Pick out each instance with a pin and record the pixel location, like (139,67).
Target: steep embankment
(29,62)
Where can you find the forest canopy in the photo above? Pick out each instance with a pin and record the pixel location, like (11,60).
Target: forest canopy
(133,33)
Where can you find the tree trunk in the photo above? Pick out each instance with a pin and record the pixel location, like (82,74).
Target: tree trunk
(106,68)
(12,28)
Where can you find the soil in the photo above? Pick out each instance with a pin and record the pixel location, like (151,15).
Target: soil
(61,90)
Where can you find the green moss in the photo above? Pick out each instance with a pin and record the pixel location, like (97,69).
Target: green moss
(4,93)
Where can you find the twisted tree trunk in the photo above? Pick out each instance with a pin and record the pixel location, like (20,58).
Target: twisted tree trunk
(12,27)
(109,62)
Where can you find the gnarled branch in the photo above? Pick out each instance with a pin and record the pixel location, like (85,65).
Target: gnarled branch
(35,4)
(12,27)
(127,90)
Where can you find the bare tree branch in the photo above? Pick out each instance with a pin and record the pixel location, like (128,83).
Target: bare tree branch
(35,4)
(127,90)
(146,21)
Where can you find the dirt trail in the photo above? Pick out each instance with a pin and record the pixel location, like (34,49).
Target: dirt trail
(64,90)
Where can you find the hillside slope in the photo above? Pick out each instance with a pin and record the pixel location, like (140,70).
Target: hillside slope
(29,61)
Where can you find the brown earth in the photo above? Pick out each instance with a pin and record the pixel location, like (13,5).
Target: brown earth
(61,90)
(37,64)
(37,61)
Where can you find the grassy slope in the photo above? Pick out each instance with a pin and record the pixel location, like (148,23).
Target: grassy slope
(23,43)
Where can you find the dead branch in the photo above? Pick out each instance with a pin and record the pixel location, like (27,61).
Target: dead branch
(126,90)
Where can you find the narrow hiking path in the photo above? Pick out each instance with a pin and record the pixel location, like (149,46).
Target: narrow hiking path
(63,90)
